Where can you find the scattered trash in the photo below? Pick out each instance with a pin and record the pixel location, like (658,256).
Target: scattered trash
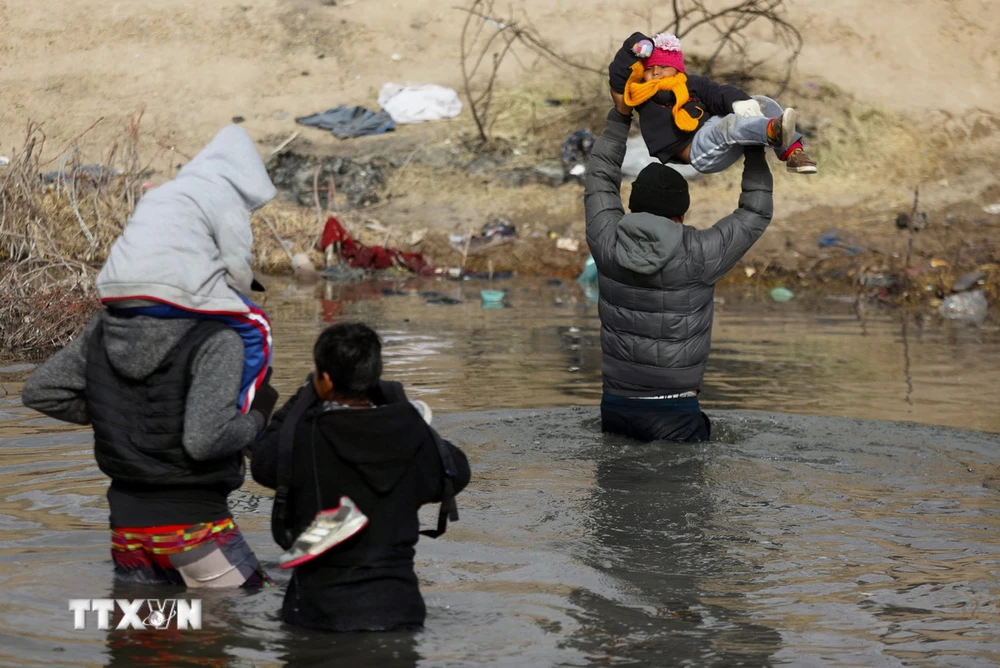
(992,208)
(874,280)
(345,122)
(4,161)
(549,173)
(781,294)
(965,306)
(370,257)
(439,298)
(839,239)
(493,233)
(416,236)
(358,181)
(486,276)
(492,296)
(905,221)
(578,170)
(842,299)
(576,148)
(344,273)
(589,273)
(749,271)
(560,101)
(499,227)
(95,173)
(303,269)
(417,104)
(238,119)
(968,281)
(568,244)
(939,263)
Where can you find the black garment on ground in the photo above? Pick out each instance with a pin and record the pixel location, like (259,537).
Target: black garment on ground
(385,459)
(138,440)
(679,420)
(656,115)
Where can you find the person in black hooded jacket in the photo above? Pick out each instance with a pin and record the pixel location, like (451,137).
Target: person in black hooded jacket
(356,439)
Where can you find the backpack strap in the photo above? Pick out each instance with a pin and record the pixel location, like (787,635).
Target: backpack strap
(449,509)
(281,529)
(393,393)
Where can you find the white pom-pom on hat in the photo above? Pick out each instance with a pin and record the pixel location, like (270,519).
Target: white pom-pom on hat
(667,42)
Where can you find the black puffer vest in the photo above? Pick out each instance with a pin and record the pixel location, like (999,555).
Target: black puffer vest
(139,424)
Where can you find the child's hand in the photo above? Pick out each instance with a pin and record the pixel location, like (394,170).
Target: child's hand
(620,68)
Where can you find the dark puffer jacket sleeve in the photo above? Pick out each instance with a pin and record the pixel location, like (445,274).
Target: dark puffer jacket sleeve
(602,195)
(723,244)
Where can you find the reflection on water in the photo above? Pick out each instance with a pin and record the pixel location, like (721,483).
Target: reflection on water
(788,540)
(544,351)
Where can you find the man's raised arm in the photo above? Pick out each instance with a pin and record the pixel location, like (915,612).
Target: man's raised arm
(728,240)
(602,195)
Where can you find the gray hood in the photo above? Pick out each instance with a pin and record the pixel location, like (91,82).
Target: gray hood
(136,346)
(645,243)
(189,241)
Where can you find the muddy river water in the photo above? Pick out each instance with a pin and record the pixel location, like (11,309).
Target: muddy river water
(869,536)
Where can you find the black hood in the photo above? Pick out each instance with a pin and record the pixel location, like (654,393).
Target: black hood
(381,463)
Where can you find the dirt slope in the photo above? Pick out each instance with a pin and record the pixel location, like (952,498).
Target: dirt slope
(930,65)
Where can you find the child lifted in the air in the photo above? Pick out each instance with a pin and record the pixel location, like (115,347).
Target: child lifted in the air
(694,120)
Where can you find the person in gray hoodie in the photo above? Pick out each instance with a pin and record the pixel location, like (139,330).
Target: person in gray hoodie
(186,251)
(656,279)
(161,390)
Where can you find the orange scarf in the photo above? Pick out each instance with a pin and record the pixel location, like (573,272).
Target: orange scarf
(638,91)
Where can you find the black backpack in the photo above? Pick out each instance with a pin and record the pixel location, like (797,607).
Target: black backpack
(391,393)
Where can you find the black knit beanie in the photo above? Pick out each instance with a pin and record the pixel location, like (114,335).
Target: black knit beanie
(661,191)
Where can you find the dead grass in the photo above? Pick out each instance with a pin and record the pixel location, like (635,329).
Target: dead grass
(43,306)
(76,213)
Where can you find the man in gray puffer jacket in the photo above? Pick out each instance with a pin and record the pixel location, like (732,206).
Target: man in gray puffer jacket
(657,282)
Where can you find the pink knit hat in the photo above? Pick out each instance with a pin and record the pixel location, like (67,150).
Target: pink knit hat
(666,53)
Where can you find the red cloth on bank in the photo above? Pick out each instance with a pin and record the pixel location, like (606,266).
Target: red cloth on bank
(369,257)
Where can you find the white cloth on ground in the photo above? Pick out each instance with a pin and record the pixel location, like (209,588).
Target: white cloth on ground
(416,104)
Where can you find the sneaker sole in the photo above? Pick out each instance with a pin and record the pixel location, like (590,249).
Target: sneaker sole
(788,127)
(349,529)
(802,170)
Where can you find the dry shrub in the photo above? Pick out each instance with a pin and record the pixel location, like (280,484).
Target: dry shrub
(57,219)
(43,306)
(71,208)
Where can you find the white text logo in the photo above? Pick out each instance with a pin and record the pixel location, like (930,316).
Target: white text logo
(140,614)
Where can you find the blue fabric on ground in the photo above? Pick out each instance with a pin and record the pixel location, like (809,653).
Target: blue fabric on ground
(344,121)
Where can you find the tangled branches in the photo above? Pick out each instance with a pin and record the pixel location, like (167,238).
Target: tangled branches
(732,26)
(54,225)
(487,39)
(42,307)
(73,212)
(485,36)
